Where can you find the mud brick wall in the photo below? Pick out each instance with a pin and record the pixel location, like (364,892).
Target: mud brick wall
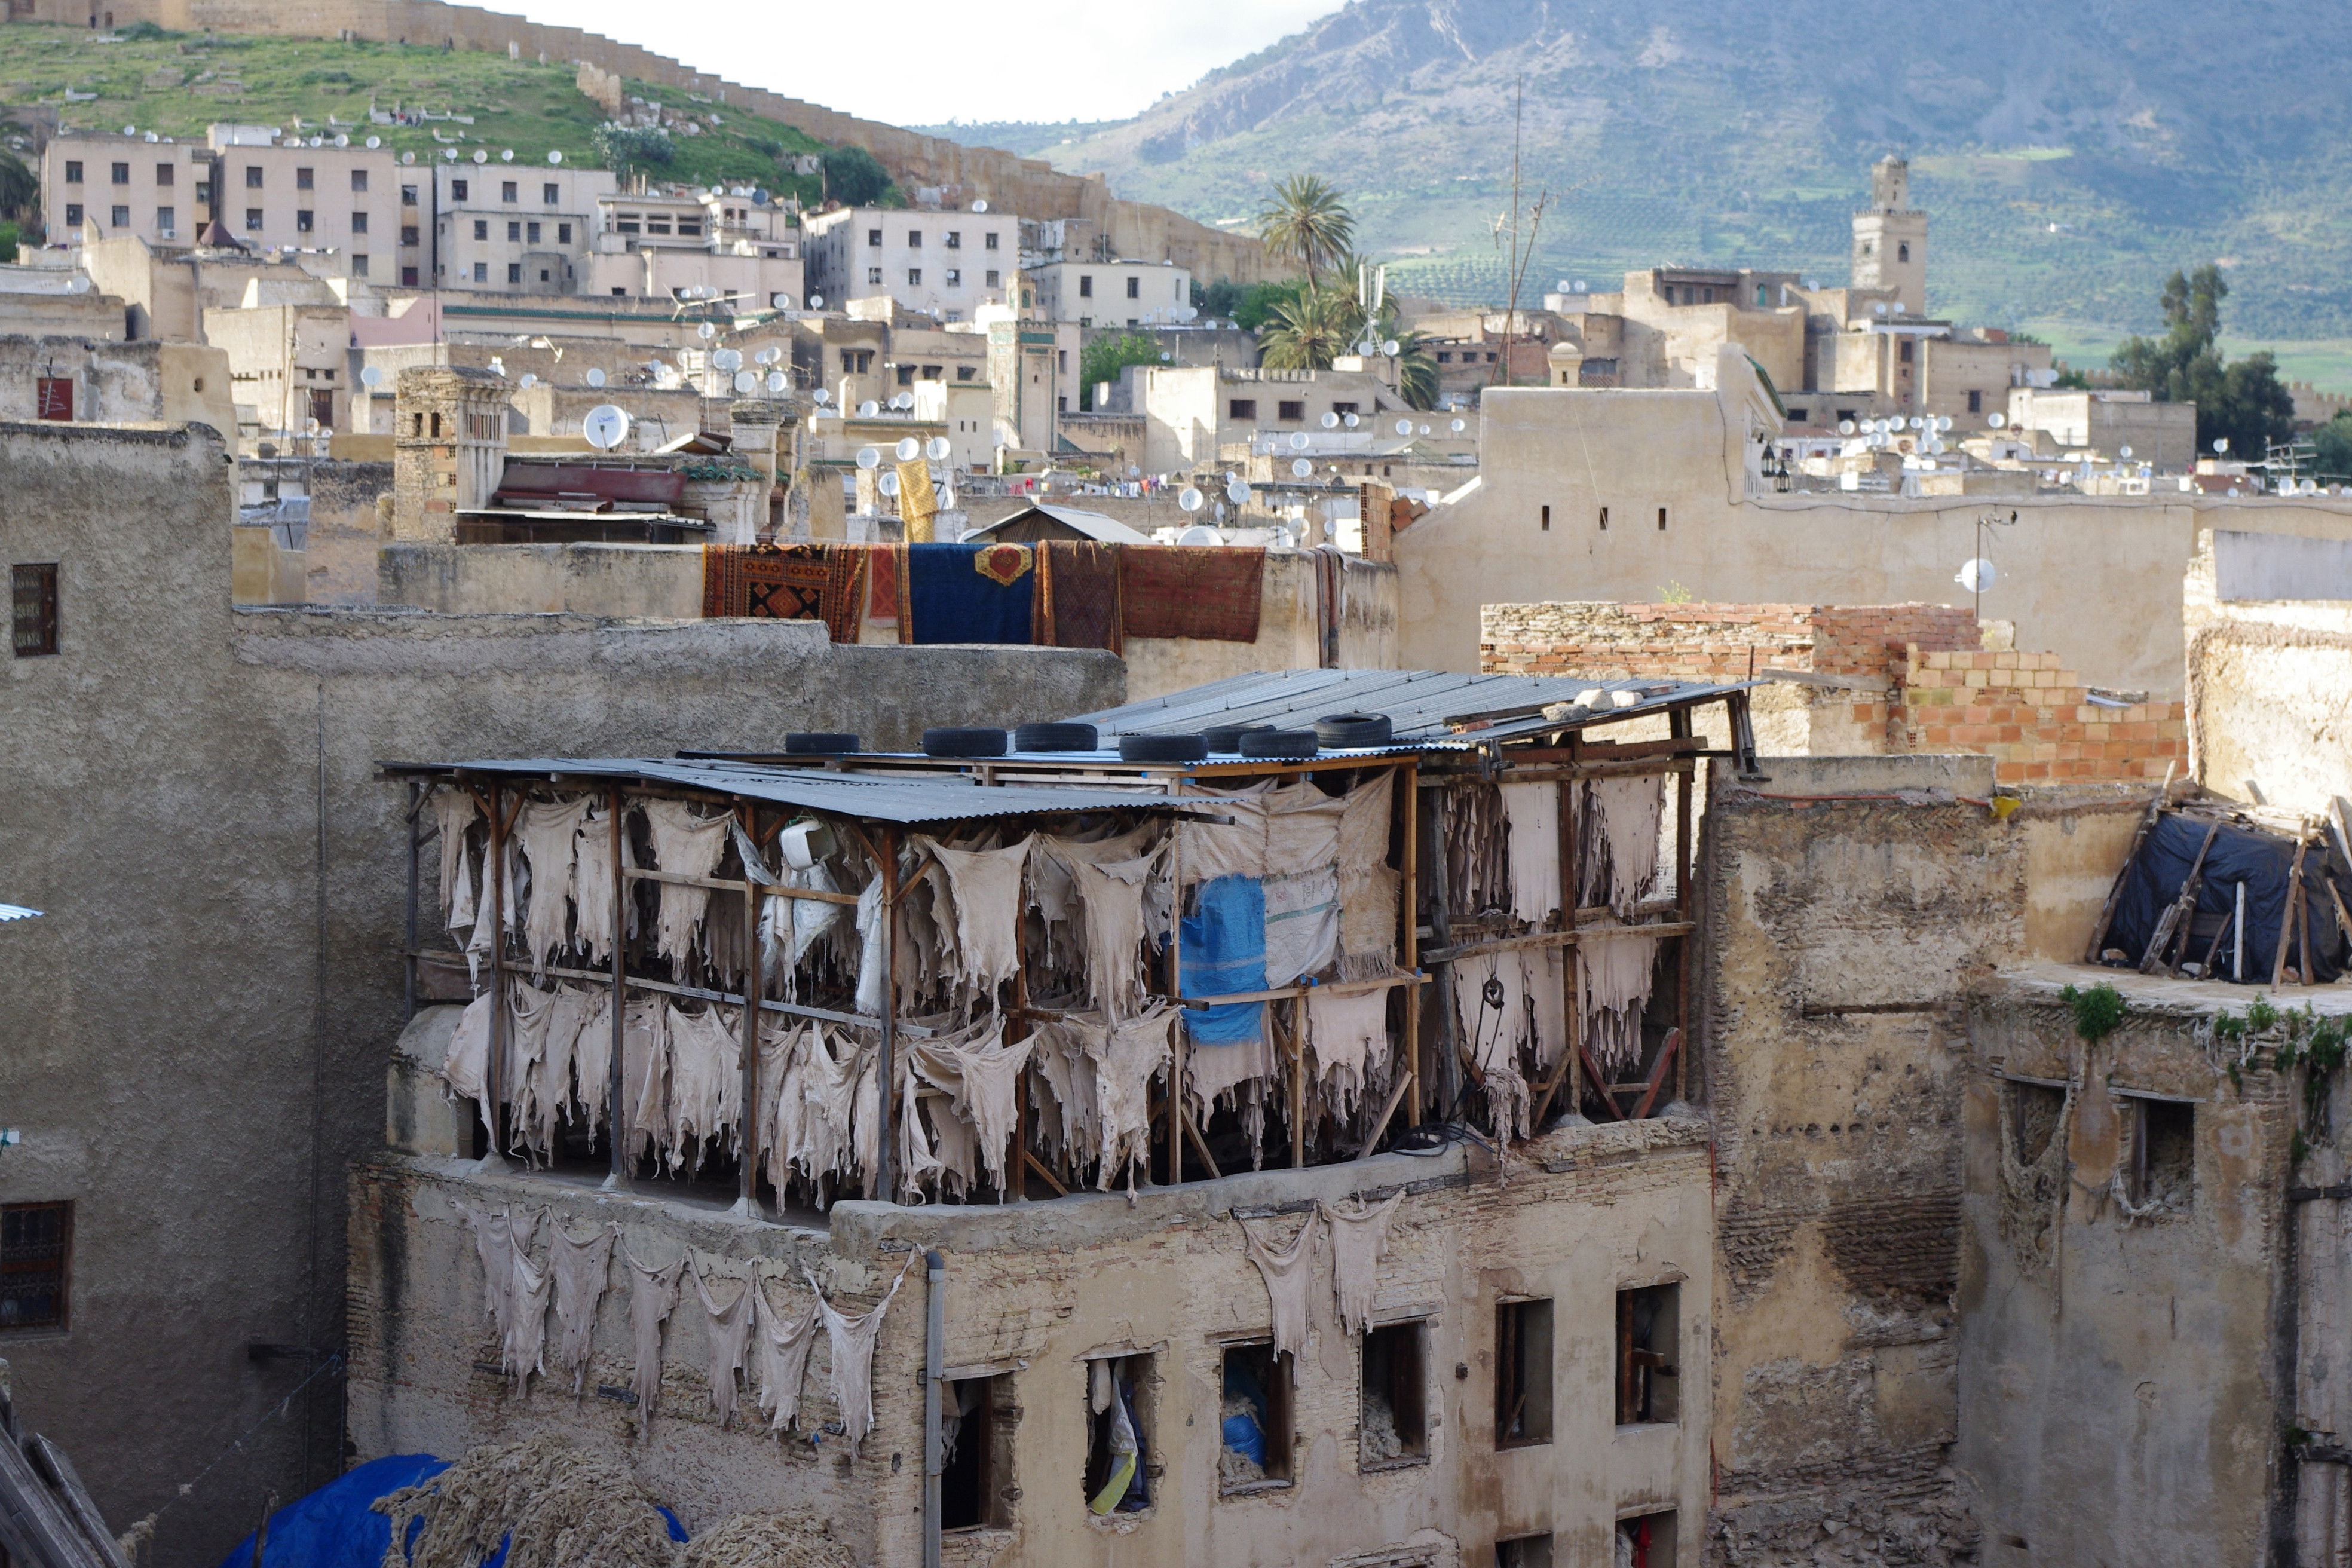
(1712,641)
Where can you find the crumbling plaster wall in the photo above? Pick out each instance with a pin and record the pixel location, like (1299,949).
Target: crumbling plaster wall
(2269,693)
(2117,1380)
(1840,935)
(1034,1290)
(196,1031)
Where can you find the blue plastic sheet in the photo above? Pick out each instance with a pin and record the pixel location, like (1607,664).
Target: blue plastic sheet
(1223,952)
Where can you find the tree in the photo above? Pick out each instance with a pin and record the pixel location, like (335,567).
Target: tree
(2245,402)
(1309,330)
(1307,223)
(632,148)
(1106,356)
(854,177)
(2333,443)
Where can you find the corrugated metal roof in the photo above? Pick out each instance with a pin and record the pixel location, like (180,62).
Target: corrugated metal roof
(1422,705)
(902,798)
(17,913)
(1093,524)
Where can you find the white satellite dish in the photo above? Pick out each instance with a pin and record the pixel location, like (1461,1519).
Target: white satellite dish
(868,409)
(1299,441)
(1943,422)
(1392,348)
(727,359)
(1997,421)
(1367,348)
(1425,429)
(1351,421)
(764,356)
(778,381)
(980,205)
(507,156)
(1301,467)
(481,156)
(706,332)
(1976,576)
(1404,426)
(596,377)
(1200,533)
(529,379)
(409,158)
(1331,422)
(781,301)
(816,302)
(909,450)
(554,156)
(938,447)
(341,140)
(746,381)
(374,141)
(605,426)
(888,485)
(821,396)
(448,154)
(2124,452)
(1917,423)
(1460,425)
(1238,492)
(131,130)
(2220,443)
(870,458)
(903,402)
(1188,498)
(498,366)
(1846,426)
(2308,487)
(370,375)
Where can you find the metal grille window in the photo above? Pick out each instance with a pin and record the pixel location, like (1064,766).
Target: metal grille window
(36,1242)
(33,590)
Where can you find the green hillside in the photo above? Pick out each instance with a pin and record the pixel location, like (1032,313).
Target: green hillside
(178,84)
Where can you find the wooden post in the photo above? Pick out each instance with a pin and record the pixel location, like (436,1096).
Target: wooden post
(1680,725)
(1176,989)
(1016,1167)
(494,1080)
(616,1078)
(1297,1077)
(754,986)
(2286,918)
(887,1065)
(1444,1084)
(1409,939)
(418,794)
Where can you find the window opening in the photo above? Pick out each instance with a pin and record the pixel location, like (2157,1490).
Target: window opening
(1646,1540)
(1255,1419)
(1522,1373)
(1524,1551)
(1648,1329)
(1547,520)
(1293,413)
(2163,1154)
(2034,1111)
(1604,520)
(976,1439)
(33,594)
(1662,519)
(1394,1423)
(36,1247)
(1120,1462)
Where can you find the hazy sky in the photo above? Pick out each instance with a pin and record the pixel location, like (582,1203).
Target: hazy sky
(923,62)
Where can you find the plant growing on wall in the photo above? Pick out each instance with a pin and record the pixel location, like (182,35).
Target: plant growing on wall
(2098,1012)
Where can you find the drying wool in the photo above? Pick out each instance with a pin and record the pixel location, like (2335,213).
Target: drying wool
(1287,1271)
(784,1340)
(645,1073)
(1132,1052)
(852,1343)
(1234,1467)
(653,1296)
(546,1503)
(1302,924)
(1369,885)
(706,1080)
(1358,1239)
(1531,811)
(1617,972)
(453,811)
(465,1065)
(522,1346)
(687,846)
(1381,1437)
(1620,840)
(592,901)
(549,833)
(793,1538)
(986,888)
(582,1269)
(727,1320)
(1348,1034)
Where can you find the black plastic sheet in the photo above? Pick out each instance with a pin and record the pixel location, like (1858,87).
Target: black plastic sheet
(2259,861)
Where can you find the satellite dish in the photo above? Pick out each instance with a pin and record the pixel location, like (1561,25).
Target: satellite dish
(1352,422)
(822,396)
(507,156)
(529,379)
(764,356)
(980,205)
(946,494)
(1997,421)
(2124,452)
(778,381)
(1299,441)
(727,359)
(1846,426)
(1460,425)
(781,301)
(816,302)
(448,154)
(1188,498)
(341,140)
(746,381)
(2309,486)
(1367,348)
(407,158)
(498,366)
(1301,467)
(318,141)
(1943,422)
(889,483)
(1976,576)
(131,130)
(596,377)
(1200,533)
(481,155)
(938,447)
(1392,348)
(1331,422)
(374,141)
(605,426)
(1425,429)
(903,402)
(1404,426)
(1917,423)
(554,156)
(1238,492)
(2220,443)
(909,450)
(370,375)
(870,458)
(706,332)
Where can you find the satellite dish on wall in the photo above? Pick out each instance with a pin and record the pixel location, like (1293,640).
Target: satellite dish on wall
(554,155)
(1299,441)
(821,396)
(341,140)
(1976,576)
(938,449)
(370,375)
(1331,422)
(2124,452)
(1188,498)
(889,483)
(909,450)
(596,377)
(870,458)
(727,359)
(507,156)
(2220,443)
(980,205)
(903,402)
(1238,492)
(1301,467)
(374,141)
(1200,533)
(1460,425)
(868,409)
(1351,421)
(706,332)
(1392,348)
(778,381)
(781,301)
(746,381)
(481,155)
(407,159)
(1404,426)
(816,302)
(529,379)
(605,426)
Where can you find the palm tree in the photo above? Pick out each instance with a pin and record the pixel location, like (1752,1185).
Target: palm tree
(1310,329)
(1306,221)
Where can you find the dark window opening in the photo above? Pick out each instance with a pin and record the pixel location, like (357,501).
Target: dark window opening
(1120,1460)
(1085,286)
(252,177)
(1394,1424)
(507,191)
(1135,287)
(1293,413)
(1344,409)
(1241,408)
(1662,519)
(1796,415)
(1976,402)
(36,1248)
(976,1418)
(1902,250)
(1648,1329)
(1255,1420)
(873,236)
(1903,352)
(1646,1541)
(305,221)
(305,179)
(906,375)
(2034,1113)
(166,174)
(73,172)
(1604,520)
(1547,520)
(1524,1551)
(33,594)
(56,397)
(458,190)
(2163,1154)
(1522,1373)
(1845,414)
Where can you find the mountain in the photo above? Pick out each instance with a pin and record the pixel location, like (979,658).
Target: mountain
(2070,152)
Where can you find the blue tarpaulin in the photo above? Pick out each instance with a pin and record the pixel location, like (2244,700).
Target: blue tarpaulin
(337,1527)
(1223,952)
(2259,860)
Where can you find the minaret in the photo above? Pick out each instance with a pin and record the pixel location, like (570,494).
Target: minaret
(1890,238)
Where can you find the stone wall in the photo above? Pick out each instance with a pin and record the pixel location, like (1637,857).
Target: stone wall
(1689,641)
(1841,936)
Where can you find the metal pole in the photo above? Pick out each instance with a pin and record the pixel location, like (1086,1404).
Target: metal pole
(935,1333)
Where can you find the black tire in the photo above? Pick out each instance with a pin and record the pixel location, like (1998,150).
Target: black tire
(818,743)
(963,742)
(1282,744)
(1342,731)
(1228,737)
(1163,748)
(1055,738)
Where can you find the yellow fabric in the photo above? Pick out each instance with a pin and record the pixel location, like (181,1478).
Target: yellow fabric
(918,502)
